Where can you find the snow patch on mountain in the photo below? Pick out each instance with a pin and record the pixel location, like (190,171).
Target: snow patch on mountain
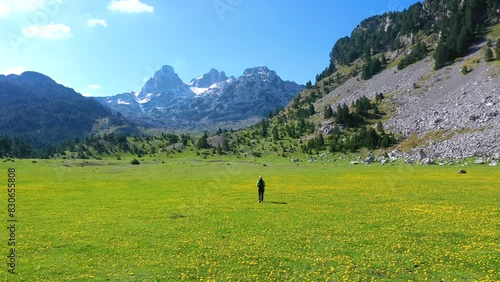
(198,90)
(121,102)
(146,99)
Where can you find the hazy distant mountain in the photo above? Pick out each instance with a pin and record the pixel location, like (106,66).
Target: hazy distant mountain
(207,101)
(44,113)
(254,94)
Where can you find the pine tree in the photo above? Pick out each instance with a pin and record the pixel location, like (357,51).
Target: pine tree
(276,135)
(203,142)
(380,127)
(320,143)
(311,110)
(488,55)
(219,150)
(328,113)
(462,40)
(264,126)
(225,145)
(440,56)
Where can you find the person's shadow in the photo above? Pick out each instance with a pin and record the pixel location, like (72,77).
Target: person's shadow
(279,203)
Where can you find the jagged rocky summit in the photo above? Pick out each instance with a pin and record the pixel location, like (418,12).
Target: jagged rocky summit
(206,102)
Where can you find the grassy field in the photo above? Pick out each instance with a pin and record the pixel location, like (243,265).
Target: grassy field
(187,219)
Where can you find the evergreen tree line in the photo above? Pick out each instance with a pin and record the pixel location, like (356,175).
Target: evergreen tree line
(15,148)
(416,55)
(114,144)
(357,114)
(458,26)
(371,36)
(362,137)
(371,68)
(203,143)
(356,134)
(458,31)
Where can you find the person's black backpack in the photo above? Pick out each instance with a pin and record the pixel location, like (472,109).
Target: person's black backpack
(261,183)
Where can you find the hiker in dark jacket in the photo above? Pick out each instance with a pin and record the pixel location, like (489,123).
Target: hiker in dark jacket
(261,185)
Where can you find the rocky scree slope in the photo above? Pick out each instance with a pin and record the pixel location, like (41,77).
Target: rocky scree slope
(461,112)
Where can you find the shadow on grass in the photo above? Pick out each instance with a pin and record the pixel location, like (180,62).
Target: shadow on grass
(278,203)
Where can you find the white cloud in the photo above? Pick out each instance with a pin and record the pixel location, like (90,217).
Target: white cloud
(8,7)
(130,6)
(27,5)
(94,86)
(87,95)
(14,70)
(49,31)
(4,10)
(94,22)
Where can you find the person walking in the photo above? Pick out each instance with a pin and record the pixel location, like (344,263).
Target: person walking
(261,185)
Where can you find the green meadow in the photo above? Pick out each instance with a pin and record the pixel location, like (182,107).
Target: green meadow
(200,220)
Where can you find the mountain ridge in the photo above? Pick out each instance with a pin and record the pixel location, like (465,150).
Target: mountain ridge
(45,113)
(207,102)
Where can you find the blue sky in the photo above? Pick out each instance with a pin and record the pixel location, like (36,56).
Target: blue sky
(106,47)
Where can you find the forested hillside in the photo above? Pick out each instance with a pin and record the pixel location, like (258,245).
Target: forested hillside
(43,113)
(456,24)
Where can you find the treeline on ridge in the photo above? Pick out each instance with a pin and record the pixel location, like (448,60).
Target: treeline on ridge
(458,22)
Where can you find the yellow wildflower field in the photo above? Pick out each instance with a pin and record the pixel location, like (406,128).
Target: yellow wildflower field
(200,220)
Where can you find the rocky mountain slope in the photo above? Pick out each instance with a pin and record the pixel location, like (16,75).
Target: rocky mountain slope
(450,114)
(207,102)
(431,63)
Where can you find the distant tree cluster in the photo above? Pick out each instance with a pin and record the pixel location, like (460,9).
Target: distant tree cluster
(458,31)
(416,55)
(457,21)
(359,136)
(203,142)
(96,145)
(328,112)
(326,72)
(371,67)
(343,115)
(14,148)
(362,137)
(370,37)
(299,101)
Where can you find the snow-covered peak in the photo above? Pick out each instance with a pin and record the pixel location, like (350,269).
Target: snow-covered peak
(215,88)
(208,79)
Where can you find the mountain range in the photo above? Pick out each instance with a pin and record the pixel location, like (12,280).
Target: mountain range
(207,102)
(45,113)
